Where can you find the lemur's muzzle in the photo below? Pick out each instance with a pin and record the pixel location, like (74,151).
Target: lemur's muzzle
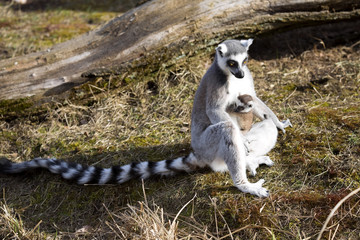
(238,73)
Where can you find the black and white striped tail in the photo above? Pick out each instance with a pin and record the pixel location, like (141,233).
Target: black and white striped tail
(113,175)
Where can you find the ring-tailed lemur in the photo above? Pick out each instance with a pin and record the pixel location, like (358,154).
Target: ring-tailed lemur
(242,111)
(216,139)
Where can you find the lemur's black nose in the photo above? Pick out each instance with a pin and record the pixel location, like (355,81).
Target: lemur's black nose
(239,73)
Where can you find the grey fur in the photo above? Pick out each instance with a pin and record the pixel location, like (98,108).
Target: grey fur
(234,48)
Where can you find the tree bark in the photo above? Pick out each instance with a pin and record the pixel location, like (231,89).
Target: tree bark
(159,29)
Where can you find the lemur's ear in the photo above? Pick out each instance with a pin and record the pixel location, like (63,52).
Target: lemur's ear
(222,49)
(246,43)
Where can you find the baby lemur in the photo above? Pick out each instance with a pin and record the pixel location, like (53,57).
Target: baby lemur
(242,112)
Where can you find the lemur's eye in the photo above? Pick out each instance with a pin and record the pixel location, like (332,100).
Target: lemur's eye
(245,61)
(232,63)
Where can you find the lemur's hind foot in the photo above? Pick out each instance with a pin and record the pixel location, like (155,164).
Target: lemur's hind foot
(253,163)
(254,188)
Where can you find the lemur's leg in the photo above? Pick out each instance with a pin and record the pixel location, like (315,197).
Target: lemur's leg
(264,112)
(260,140)
(223,143)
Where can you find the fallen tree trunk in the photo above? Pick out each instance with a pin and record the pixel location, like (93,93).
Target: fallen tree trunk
(159,29)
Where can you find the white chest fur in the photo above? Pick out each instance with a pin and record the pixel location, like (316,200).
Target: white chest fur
(237,87)
(240,86)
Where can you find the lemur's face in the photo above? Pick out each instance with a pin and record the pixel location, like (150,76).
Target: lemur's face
(232,56)
(245,103)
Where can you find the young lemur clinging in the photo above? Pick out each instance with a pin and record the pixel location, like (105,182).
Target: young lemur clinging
(216,138)
(242,111)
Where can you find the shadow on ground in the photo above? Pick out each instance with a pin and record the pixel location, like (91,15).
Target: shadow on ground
(295,42)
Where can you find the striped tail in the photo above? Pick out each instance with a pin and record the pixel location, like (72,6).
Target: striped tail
(113,175)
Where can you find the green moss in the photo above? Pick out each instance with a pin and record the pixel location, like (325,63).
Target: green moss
(20,108)
(290,87)
(138,141)
(14,106)
(354,139)
(9,135)
(323,115)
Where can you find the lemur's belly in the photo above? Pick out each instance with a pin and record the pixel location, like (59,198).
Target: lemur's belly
(218,165)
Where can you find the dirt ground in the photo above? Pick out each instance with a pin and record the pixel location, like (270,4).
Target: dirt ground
(145,115)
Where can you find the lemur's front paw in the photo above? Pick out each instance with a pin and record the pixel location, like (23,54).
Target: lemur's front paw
(232,108)
(235,108)
(254,188)
(286,123)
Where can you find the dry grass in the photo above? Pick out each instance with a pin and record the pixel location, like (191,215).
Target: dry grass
(12,226)
(338,205)
(145,222)
(145,115)
(25,32)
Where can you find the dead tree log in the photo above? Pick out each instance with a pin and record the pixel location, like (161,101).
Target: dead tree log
(159,28)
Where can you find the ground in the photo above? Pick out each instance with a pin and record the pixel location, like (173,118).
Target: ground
(145,115)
